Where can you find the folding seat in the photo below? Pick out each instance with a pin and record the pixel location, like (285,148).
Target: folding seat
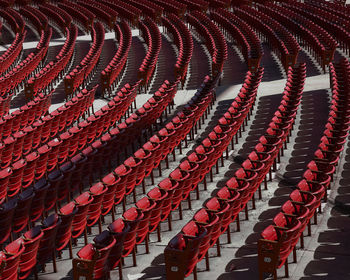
(64,148)
(318,177)
(64,232)
(211,222)
(7,211)
(94,257)
(160,197)
(292,229)
(298,210)
(41,165)
(15,182)
(181,176)
(38,127)
(83,203)
(193,169)
(31,241)
(5,175)
(6,156)
(53,158)
(315,188)
(132,217)
(334,137)
(47,245)
(305,198)
(38,203)
(321,167)
(19,137)
(137,168)
(326,157)
(145,156)
(223,210)
(22,211)
(128,179)
(7,129)
(119,230)
(97,191)
(209,152)
(13,252)
(201,160)
(181,254)
(146,206)
(233,198)
(273,250)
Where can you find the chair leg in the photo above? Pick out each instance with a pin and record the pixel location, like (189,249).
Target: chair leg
(158,233)
(195,272)
(228,232)
(238,223)
(134,257)
(120,270)
(147,243)
(70,249)
(218,249)
(207,261)
(54,261)
(169,222)
(286,269)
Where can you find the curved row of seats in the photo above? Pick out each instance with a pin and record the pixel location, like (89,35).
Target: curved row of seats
(191,245)
(320,42)
(151,34)
(129,12)
(172,7)
(10,82)
(279,38)
(58,15)
(101,11)
(55,68)
(219,54)
(243,35)
(280,239)
(148,9)
(149,211)
(325,20)
(70,215)
(81,14)
(82,72)
(68,143)
(109,76)
(183,41)
(125,229)
(44,128)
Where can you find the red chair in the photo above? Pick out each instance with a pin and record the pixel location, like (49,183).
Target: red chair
(181,254)
(29,170)
(47,247)
(233,198)
(22,211)
(97,192)
(92,258)
(64,231)
(146,206)
(132,217)
(210,221)
(83,203)
(7,211)
(38,203)
(5,176)
(31,243)
(159,196)
(13,252)
(118,229)
(15,182)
